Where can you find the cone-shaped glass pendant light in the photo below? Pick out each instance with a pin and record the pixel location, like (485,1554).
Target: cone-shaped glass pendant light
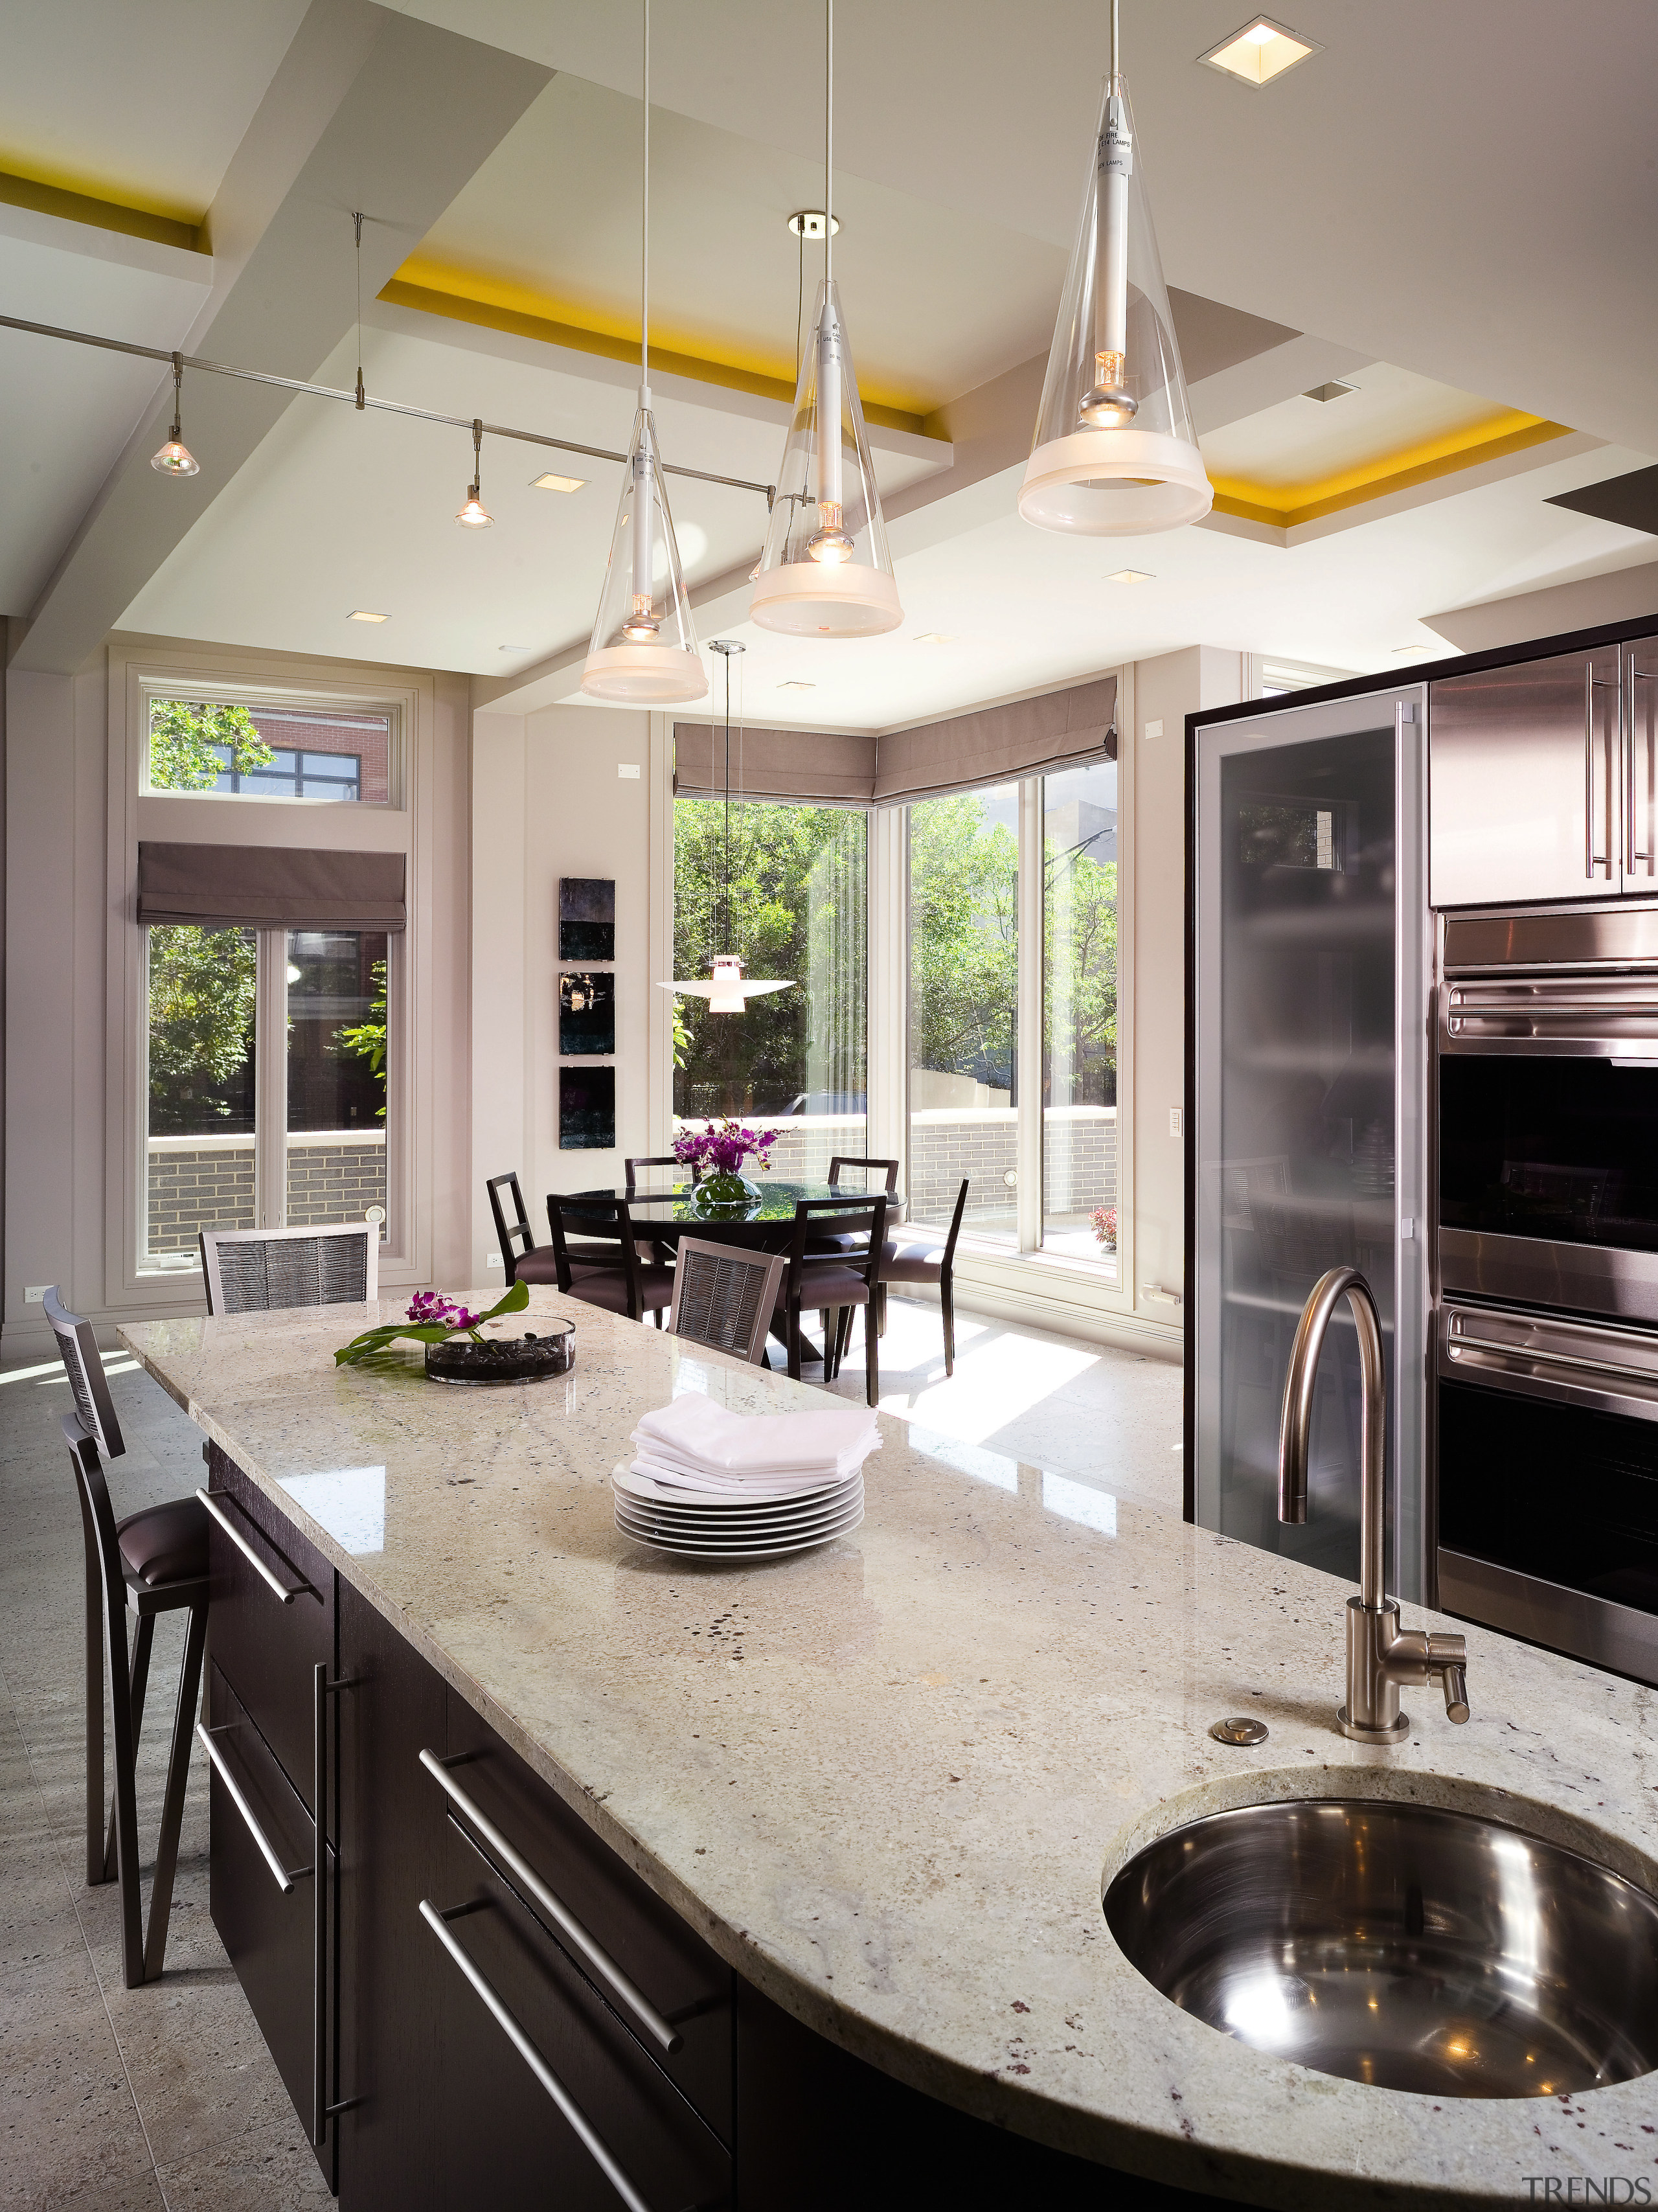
(826,571)
(1115,453)
(644,646)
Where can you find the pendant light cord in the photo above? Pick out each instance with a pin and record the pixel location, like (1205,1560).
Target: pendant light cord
(829,139)
(644,225)
(1115,33)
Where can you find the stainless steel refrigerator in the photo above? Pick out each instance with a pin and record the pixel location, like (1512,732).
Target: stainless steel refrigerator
(1309,958)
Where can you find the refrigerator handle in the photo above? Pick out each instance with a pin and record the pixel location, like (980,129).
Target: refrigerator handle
(1633,740)
(1591,860)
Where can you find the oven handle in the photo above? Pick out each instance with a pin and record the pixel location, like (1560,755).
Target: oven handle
(1455,1342)
(1632,835)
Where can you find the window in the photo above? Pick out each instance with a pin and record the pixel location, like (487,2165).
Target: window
(226,749)
(964,1008)
(790,895)
(226,1145)
(1080,1039)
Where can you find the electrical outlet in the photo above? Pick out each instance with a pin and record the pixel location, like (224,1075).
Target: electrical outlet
(1174,1120)
(35,1294)
(492,1258)
(1154,730)
(627,770)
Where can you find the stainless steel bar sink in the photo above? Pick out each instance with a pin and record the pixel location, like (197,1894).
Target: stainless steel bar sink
(1400,1945)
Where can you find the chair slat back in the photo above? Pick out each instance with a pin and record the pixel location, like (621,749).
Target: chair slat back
(509,1232)
(78,1347)
(723,1296)
(259,1270)
(603,1228)
(654,1160)
(889,1168)
(817,1218)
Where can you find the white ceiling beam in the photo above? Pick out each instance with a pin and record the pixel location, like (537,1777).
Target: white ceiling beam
(368,110)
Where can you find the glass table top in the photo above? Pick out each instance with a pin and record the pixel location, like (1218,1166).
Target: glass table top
(775,1202)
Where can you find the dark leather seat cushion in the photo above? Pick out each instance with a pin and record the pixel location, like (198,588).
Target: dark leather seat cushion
(912,1263)
(597,1287)
(537,1266)
(164,1543)
(824,1284)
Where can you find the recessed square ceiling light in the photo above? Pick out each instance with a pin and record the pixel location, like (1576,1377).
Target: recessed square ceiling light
(1260,51)
(364,614)
(935,637)
(1130,576)
(552,482)
(796,684)
(1335,390)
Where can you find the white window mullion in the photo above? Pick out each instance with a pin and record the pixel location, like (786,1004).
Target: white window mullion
(888,1061)
(1030,1135)
(271,1082)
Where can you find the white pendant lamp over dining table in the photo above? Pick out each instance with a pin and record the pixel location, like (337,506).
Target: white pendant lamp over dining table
(826,571)
(1114,454)
(643,651)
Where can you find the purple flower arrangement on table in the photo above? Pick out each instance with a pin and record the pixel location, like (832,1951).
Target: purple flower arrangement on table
(433,1319)
(716,1155)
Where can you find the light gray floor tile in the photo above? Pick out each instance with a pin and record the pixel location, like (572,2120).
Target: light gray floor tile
(273,2170)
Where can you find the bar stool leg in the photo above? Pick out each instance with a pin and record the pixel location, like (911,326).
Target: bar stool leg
(97,1866)
(947,1304)
(172,1808)
(143,1636)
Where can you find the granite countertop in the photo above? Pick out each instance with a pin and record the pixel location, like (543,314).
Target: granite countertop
(888,1780)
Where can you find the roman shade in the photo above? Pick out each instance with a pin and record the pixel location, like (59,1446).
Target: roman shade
(269,887)
(1060,729)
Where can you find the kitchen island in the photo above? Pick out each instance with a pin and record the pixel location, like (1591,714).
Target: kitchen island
(887,1780)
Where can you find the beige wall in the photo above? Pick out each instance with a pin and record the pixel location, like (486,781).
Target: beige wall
(548,802)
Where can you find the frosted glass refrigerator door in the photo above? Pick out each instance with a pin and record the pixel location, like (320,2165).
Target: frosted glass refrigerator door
(1300,1121)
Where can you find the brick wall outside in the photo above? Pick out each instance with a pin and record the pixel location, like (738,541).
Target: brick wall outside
(192,1190)
(331,1177)
(1080,1164)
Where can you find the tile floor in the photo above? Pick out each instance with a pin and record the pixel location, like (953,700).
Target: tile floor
(164,2098)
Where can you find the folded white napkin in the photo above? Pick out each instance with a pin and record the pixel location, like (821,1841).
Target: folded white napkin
(733,1488)
(698,1444)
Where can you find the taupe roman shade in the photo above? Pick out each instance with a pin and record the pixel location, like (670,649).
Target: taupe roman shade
(269,887)
(772,763)
(1061,729)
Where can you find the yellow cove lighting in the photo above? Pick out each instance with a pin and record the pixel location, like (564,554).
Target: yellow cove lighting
(552,482)
(1260,51)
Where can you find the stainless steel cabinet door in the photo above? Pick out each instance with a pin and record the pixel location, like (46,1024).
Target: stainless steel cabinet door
(1527,797)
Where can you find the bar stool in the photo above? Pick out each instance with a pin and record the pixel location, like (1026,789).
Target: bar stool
(152,1562)
(725,1296)
(261,1270)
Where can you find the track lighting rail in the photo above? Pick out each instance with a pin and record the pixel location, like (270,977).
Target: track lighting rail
(366,400)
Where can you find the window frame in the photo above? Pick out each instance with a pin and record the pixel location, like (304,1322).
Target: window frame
(153,688)
(400,824)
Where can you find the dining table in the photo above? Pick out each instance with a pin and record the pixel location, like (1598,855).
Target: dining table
(764,1223)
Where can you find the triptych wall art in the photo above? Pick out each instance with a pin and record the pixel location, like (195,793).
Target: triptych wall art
(586,1015)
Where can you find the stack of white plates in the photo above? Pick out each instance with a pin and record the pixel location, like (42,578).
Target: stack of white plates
(701,1524)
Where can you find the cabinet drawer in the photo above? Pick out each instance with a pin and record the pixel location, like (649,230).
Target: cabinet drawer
(607,2128)
(267,1650)
(682,1982)
(270,1933)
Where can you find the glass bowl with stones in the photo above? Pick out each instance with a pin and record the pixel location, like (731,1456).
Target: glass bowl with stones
(535,1357)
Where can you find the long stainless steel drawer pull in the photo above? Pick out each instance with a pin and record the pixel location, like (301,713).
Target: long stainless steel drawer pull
(285,1880)
(210,1499)
(557,1911)
(1531,1356)
(583,2127)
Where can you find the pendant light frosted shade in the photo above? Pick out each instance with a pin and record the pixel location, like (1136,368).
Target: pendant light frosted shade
(1114,454)
(826,571)
(644,646)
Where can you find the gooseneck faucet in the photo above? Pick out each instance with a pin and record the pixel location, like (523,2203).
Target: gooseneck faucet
(1381,1655)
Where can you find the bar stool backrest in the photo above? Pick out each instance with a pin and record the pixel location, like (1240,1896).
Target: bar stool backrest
(509,1232)
(258,1270)
(723,1296)
(78,1347)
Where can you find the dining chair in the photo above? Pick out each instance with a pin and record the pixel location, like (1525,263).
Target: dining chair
(835,1281)
(725,1297)
(619,1280)
(527,1263)
(154,1561)
(256,1270)
(923,1258)
(891,1168)
(656,1160)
